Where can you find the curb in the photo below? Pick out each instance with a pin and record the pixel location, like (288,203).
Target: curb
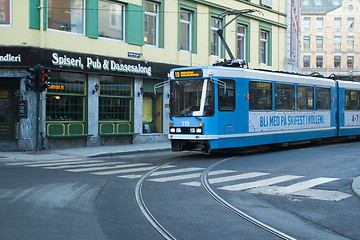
(109,154)
(356,186)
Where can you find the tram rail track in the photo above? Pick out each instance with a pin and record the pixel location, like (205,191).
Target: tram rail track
(143,208)
(206,185)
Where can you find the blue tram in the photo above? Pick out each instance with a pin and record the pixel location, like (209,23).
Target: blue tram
(216,107)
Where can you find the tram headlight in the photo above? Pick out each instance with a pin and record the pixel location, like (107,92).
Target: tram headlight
(178,130)
(172,130)
(192,130)
(198,130)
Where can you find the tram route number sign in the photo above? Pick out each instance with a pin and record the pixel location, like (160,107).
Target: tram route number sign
(197,73)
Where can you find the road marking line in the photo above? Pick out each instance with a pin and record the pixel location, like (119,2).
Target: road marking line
(105,168)
(127,170)
(44,161)
(181,170)
(228,178)
(186,176)
(59,164)
(260,183)
(83,165)
(303,185)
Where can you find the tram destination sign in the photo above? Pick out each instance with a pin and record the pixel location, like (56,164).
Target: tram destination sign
(196,73)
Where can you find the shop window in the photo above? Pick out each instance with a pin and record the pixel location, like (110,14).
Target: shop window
(323,98)
(260,95)
(284,96)
(111,20)
(66,15)
(65,99)
(227,96)
(115,98)
(5,13)
(352,100)
(305,98)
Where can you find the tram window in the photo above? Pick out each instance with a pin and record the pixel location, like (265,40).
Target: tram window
(260,96)
(305,98)
(323,98)
(284,96)
(352,100)
(227,98)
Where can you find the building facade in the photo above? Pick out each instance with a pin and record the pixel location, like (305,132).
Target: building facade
(109,60)
(331,38)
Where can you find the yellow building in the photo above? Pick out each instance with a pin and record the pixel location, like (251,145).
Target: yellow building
(331,38)
(108,57)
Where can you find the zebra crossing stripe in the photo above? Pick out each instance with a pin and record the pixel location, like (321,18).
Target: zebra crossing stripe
(45,161)
(260,183)
(229,178)
(59,164)
(186,176)
(107,168)
(82,165)
(181,170)
(303,185)
(124,171)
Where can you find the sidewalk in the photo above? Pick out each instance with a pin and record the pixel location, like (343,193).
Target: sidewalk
(85,152)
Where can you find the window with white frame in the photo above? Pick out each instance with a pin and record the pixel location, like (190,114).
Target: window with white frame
(67,15)
(306,61)
(350,62)
(185,30)
(337,42)
(306,42)
(319,61)
(337,61)
(319,42)
(350,42)
(151,23)
(5,12)
(319,23)
(215,24)
(111,20)
(306,23)
(241,42)
(264,47)
(350,23)
(337,23)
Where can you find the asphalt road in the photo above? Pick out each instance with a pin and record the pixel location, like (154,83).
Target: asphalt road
(304,193)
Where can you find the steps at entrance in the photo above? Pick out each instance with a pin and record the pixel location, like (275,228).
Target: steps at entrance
(8,145)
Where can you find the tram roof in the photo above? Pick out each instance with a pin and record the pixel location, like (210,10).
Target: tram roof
(251,74)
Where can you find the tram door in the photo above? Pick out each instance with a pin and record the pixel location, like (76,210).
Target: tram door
(6,114)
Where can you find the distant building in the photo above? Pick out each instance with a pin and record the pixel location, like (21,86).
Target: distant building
(107,57)
(293,36)
(331,38)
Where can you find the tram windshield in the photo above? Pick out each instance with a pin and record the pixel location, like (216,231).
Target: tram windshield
(191,98)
